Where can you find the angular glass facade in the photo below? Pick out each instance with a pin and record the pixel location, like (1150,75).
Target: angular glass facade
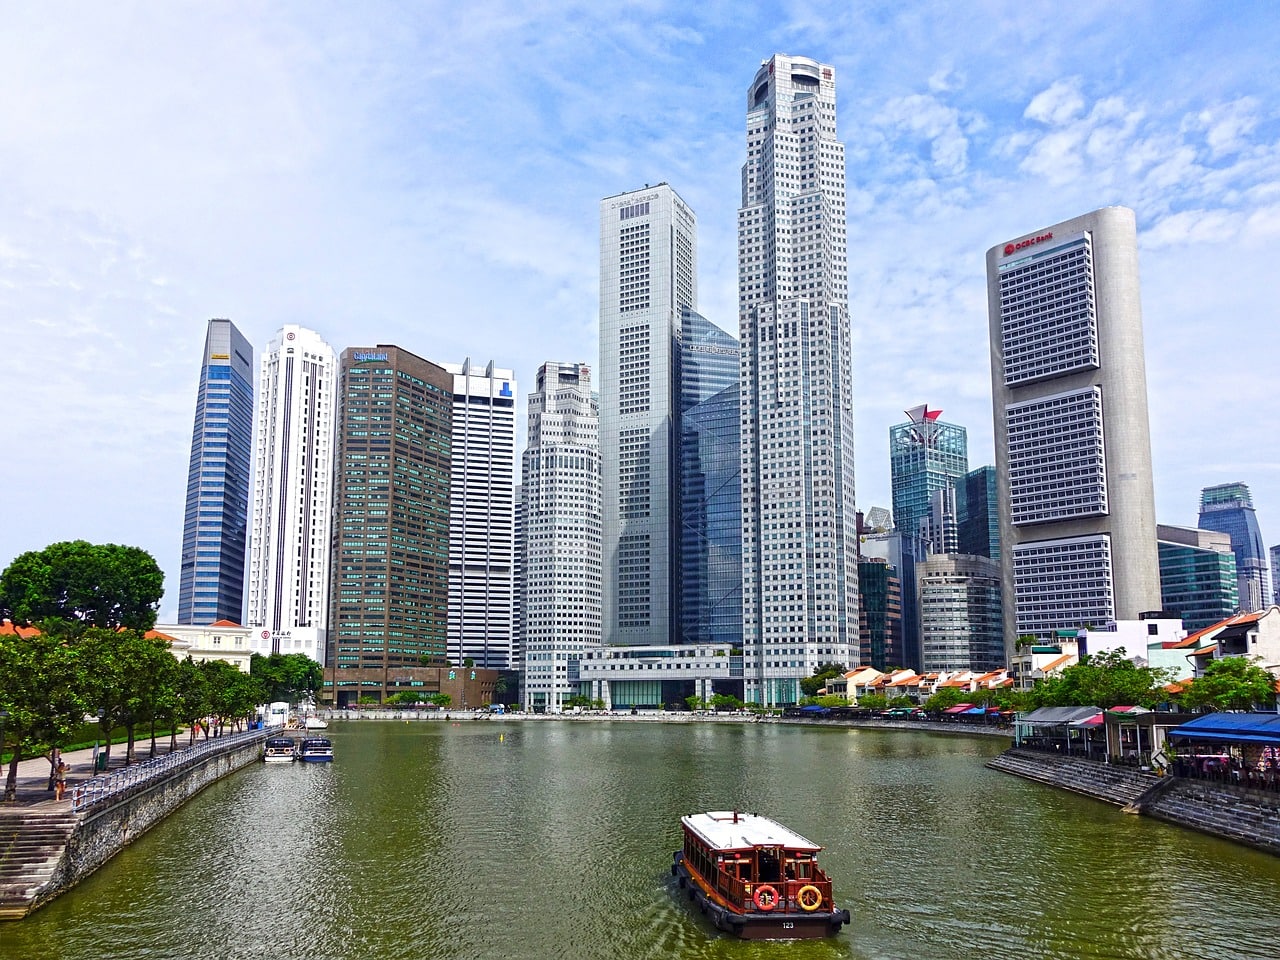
(925,455)
(215,526)
(710,469)
(1228,508)
(880,614)
(978,513)
(1198,584)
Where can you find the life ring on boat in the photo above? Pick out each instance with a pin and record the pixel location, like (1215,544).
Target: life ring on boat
(765,898)
(809,897)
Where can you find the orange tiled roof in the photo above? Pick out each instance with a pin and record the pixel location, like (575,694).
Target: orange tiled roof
(224,623)
(157,635)
(1238,620)
(1052,664)
(1204,651)
(9,629)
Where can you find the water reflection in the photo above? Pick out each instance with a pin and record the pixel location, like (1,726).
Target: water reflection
(553,839)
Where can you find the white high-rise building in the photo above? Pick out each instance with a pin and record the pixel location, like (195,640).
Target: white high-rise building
(648,272)
(562,530)
(799,544)
(1073,445)
(482,516)
(288,577)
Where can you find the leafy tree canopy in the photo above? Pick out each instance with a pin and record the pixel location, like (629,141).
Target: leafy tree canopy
(810,686)
(287,677)
(1104,680)
(92,585)
(1231,683)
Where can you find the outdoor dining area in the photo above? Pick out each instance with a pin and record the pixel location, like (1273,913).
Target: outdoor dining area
(1229,748)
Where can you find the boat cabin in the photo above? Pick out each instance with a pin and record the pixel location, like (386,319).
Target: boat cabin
(752,863)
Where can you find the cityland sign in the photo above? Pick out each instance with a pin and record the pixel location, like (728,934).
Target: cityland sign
(1029,242)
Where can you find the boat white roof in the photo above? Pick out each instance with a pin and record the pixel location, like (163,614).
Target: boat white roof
(727,830)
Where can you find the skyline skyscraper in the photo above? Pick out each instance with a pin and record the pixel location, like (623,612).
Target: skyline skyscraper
(482,515)
(961,624)
(799,549)
(710,467)
(288,578)
(648,274)
(925,455)
(1197,575)
(1228,508)
(390,592)
(215,529)
(978,513)
(1072,439)
(562,569)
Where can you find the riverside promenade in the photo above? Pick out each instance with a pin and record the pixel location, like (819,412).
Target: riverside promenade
(48,845)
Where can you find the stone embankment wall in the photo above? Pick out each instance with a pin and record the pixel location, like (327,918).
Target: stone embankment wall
(1236,813)
(101,834)
(1232,812)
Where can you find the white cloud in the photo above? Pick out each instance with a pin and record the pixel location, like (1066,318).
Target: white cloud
(1057,105)
(935,122)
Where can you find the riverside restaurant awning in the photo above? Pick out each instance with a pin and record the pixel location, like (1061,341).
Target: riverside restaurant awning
(1058,716)
(1261,728)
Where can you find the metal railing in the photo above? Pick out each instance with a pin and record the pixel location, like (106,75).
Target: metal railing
(134,777)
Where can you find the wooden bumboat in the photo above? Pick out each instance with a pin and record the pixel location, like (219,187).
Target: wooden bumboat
(755,878)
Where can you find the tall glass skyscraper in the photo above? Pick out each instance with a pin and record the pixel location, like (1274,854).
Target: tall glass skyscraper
(1072,438)
(1197,575)
(710,511)
(561,592)
(799,517)
(648,274)
(292,516)
(482,516)
(799,543)
(978,513)
(925,456)
(390,597)
(215,526)
(1228,508)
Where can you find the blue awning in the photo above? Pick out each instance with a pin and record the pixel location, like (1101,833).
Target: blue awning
(1231,728)
(974,710)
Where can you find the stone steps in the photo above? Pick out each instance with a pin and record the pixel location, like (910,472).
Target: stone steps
(31,848)
(1121,786)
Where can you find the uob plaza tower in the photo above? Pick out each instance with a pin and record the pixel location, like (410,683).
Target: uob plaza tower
(800,589)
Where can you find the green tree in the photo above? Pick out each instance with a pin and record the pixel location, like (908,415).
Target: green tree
(694,702)
(191,698)
(724,701)
(1107,679)
(405,697)
(440,699)
(287,677)
(874,701)
(1231,683)
(232,693)
(946,698)
(41,679)
(810,686)
(89,585)
(128,680)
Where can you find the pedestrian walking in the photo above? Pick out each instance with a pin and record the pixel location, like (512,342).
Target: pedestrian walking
(55,758)
(61,780)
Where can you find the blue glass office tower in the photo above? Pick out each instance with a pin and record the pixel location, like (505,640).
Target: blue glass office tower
(709,541)
(925,455)
(215,524)
(978,513)
(1228,508)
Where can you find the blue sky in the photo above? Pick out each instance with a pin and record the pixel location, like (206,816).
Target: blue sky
(429,175)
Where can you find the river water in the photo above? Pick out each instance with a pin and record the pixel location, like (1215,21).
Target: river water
(509,839)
